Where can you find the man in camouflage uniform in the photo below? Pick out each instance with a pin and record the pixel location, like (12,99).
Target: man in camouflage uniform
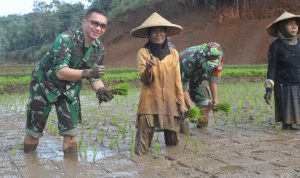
(201,68)
(56,81)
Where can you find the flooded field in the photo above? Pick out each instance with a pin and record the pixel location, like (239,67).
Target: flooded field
(242,143)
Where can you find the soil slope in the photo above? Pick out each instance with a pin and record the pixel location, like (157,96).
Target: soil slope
(240,28)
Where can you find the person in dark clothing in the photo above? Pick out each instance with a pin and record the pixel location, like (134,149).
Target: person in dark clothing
(283,75)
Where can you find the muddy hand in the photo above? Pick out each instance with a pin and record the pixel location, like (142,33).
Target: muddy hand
(149,64)
(94,72)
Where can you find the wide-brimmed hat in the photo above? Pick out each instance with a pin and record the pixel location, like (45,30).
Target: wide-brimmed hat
(155,20)
(272,28)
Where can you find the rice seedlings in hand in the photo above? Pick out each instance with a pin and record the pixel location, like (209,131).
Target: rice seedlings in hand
(187,139)
(120,89)
(193,113)
(226,107)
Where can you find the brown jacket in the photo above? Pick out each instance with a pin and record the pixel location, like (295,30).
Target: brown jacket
(164,93)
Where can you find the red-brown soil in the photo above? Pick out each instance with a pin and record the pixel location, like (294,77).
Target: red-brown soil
(239,28)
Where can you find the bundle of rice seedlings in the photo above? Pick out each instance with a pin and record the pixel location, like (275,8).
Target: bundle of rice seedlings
(120,89)
(226,107)
(194,113)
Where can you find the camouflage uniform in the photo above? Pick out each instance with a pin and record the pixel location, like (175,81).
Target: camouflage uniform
(46,90)
(197,70)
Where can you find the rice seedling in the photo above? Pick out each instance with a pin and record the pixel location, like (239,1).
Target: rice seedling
(85,149)
(132,134)
(196,144)
(132,149)
(157,149)
(100,136)
(123,130)
(13,151)
(91,130)
(94,153)
(187,139)
(80,143)
(120,89)
(193,113)
(226,107)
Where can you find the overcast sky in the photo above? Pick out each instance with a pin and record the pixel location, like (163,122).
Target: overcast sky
(23,6)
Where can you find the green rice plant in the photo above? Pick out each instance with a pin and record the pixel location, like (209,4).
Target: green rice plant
(120,89)
(157,137)
(132,149)
(277,128)
(132,135)
(85,149)
(91,130)
(257,119)
(80,143)
(157,149)
(226,107)
(100,136)
(187,139)
(114,120)
(194,113)
(196,144)
(123,130)
(94,153)
(236,120)
(216,119)
(13,151)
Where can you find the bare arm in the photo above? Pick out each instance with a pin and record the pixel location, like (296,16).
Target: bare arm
(214,92)
(187,99)
(69,74)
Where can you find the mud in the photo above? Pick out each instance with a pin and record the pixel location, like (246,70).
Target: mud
(220,151)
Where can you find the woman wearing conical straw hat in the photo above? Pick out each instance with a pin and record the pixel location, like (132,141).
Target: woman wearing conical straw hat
(161,98)
(284,70)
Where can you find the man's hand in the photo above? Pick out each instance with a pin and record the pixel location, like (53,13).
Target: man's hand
(94,72)
(149,64)
(104,94)
(268,96)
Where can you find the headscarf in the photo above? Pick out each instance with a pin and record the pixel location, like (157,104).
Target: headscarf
(158,50)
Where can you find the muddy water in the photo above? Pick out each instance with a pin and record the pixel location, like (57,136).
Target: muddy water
(223,150)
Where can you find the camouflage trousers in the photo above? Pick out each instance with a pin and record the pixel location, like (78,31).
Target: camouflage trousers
(38,110)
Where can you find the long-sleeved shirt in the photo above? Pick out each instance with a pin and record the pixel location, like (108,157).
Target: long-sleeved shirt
(284,63)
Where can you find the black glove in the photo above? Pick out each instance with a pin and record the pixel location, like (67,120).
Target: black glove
(104,94)
(268,96)
(94,72)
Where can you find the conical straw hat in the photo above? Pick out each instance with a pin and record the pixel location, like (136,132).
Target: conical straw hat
(272,28)
(155,20)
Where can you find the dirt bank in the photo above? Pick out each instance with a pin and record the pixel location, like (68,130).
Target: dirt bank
(239,28)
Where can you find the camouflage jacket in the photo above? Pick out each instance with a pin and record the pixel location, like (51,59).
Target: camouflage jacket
(68,50)
(193,72)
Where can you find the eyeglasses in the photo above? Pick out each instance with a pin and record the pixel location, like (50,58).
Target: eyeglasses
(95,24)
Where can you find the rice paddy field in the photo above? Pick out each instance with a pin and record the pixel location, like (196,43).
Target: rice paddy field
(242,142)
